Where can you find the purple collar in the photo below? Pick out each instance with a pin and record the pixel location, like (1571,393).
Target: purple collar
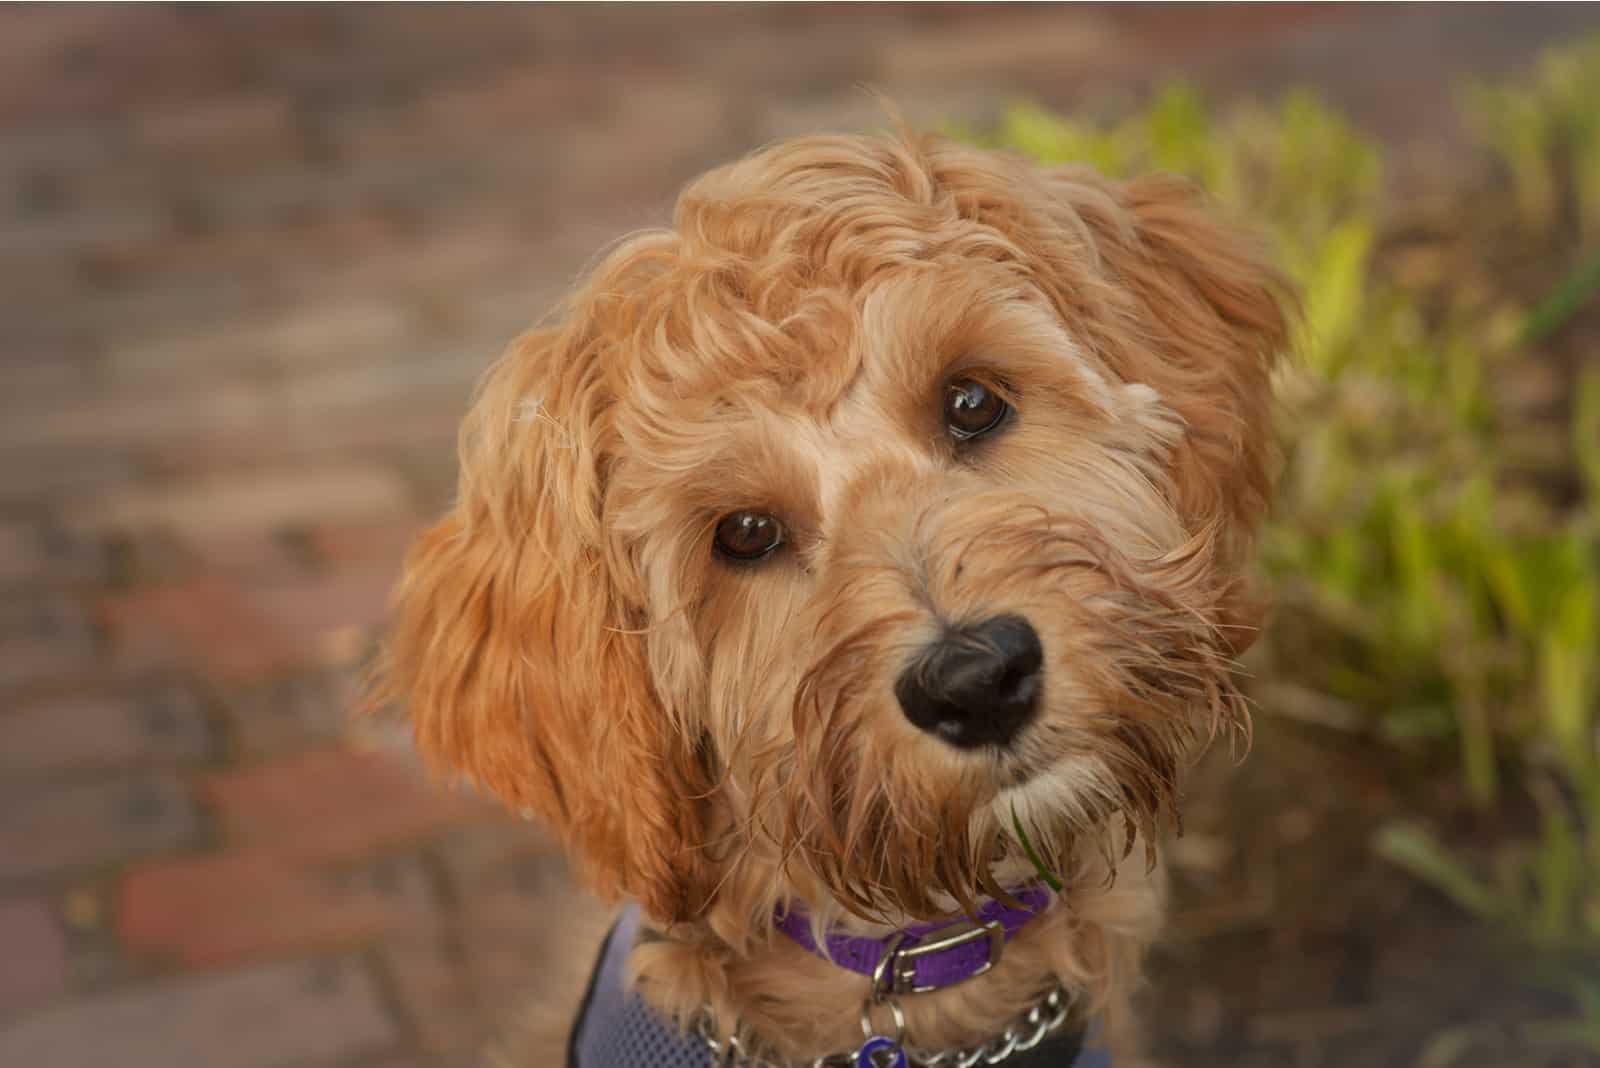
(926,957)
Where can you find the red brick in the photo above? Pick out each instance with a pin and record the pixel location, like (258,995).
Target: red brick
(508,879)
(300,1012)
(510,99)
(224,123)
(247,229)
(297,200)
(54,237)
(138,282)
(133,185)
(259,500)
(476,249)
(252,555)
(38,34)
(303,336)
(678,124)
(61,378)
(28,661)
(333,803)
(504,873)
(757,57)
(435,982)
(308,435)
(384,542)
(509,927)
(509,966)
(50,616)
(446,374)
(169,293)
(500,313)
(113,419)
(43,638)
(95,960)
(335,330)
(240,633)
(65,145)
(313,606)
(848,110)
(36,555)
(208,622)
(1082,39)
(238,905)
(33,965)
(33,475)
(502,858)
(87,826)
(148,560)
(294,712)
(164,727)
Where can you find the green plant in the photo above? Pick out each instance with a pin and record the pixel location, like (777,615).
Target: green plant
(1540,581)
(1546,133)
(1050,878)
(1429,584)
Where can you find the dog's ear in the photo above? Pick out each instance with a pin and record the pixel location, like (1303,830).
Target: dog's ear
(1211,320)
(1213,315)
(1170,295)
(515,644)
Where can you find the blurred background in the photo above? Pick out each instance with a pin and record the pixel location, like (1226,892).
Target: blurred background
(253,258)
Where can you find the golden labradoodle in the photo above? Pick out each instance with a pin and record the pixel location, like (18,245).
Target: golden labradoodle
(886,519)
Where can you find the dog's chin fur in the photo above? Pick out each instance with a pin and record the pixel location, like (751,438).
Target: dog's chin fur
(716,739)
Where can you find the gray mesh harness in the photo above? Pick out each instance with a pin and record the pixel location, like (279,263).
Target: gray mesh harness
(616,1029)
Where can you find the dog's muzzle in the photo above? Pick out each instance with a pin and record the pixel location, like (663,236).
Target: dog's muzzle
(977,685)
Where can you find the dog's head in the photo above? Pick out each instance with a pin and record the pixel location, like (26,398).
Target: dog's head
(898,484)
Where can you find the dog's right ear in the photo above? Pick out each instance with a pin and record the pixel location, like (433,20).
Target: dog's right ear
(515,647)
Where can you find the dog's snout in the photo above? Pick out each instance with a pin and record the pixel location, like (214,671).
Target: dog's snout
(975,686)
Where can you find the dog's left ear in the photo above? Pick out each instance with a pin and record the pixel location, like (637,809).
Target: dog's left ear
(1214,315)
(1212,322)
(1168,294)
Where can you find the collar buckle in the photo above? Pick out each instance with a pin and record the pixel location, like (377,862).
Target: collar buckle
(896,972)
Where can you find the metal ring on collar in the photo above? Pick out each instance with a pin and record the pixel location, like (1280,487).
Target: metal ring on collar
(899,1014)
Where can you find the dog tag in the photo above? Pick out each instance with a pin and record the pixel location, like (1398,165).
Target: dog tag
(880,1052)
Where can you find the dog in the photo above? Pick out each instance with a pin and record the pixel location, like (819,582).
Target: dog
(845,575)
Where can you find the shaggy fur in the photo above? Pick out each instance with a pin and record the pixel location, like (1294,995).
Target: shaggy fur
(713,739)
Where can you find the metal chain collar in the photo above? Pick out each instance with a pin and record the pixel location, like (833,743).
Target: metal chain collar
(1026,1032)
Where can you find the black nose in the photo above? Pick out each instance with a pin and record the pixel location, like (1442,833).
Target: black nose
(976,686)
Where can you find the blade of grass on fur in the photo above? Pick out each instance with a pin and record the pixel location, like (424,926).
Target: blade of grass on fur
(1575,290)
(1027,847)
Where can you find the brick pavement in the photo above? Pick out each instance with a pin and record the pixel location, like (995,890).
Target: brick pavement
(253,259)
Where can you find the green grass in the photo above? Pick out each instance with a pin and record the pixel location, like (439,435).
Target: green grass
(1438,579)
(1545,130)
(1050,878)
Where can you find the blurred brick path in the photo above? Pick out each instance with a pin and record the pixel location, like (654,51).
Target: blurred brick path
(252,260)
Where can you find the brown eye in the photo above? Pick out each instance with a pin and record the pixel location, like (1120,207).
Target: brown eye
(972,409)
(748,535)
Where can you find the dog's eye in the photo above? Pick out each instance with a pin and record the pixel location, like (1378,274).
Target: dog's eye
(748,535)
(972,409)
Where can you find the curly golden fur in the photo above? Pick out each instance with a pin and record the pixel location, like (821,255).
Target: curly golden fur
(714,739)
